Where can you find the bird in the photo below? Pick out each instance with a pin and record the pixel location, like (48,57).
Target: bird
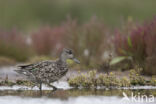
(49,71)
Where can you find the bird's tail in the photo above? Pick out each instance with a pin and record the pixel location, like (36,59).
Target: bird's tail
(21,69)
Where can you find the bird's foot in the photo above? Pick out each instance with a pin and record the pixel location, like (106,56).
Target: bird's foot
(54,88)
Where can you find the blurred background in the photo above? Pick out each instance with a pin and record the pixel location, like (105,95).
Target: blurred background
(98,31)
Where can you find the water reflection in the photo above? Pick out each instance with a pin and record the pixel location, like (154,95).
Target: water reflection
(72,96)
(64,94)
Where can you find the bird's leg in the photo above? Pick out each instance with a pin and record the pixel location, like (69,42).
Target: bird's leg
(54,88)
(40,87)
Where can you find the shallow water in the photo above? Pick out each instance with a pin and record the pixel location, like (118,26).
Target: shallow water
(71,100)
(72,96)
(67,95)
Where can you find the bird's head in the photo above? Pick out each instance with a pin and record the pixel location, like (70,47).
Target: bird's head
(68,54)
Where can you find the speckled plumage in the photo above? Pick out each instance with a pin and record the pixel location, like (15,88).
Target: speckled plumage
(47,71)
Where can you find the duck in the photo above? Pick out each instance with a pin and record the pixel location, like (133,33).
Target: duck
(49,71)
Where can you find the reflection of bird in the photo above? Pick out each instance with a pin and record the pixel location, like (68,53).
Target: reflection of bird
(47,71)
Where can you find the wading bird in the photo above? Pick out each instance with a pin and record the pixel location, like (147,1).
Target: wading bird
(47,72)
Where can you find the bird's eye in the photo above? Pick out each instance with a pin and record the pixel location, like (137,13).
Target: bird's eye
(70,52)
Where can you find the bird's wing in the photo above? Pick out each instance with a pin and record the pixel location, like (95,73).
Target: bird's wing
(36,66)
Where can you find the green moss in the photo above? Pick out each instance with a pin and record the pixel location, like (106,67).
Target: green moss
(153,81)
(24,82)
(125,82)
(91,80)
(6,83)
(84,80)
(136,78)
(112,80)
(18,82)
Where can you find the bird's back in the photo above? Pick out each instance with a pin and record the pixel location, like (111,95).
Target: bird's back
(45,71)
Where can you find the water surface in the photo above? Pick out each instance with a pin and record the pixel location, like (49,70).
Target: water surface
(67,95)
(72,96)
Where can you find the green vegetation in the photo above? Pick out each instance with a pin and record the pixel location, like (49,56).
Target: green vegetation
(24,82)
(93,43)
(18,82)
(136,42)
(37,30)
(136,78)
(13,45)
(153,81)
(31,13)
(6,82)
(93,80)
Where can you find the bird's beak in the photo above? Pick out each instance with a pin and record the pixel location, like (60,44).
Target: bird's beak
(76,60)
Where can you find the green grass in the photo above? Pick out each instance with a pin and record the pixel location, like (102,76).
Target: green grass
(26,14)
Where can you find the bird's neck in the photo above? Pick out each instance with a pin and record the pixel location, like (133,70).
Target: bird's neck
(62,60)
